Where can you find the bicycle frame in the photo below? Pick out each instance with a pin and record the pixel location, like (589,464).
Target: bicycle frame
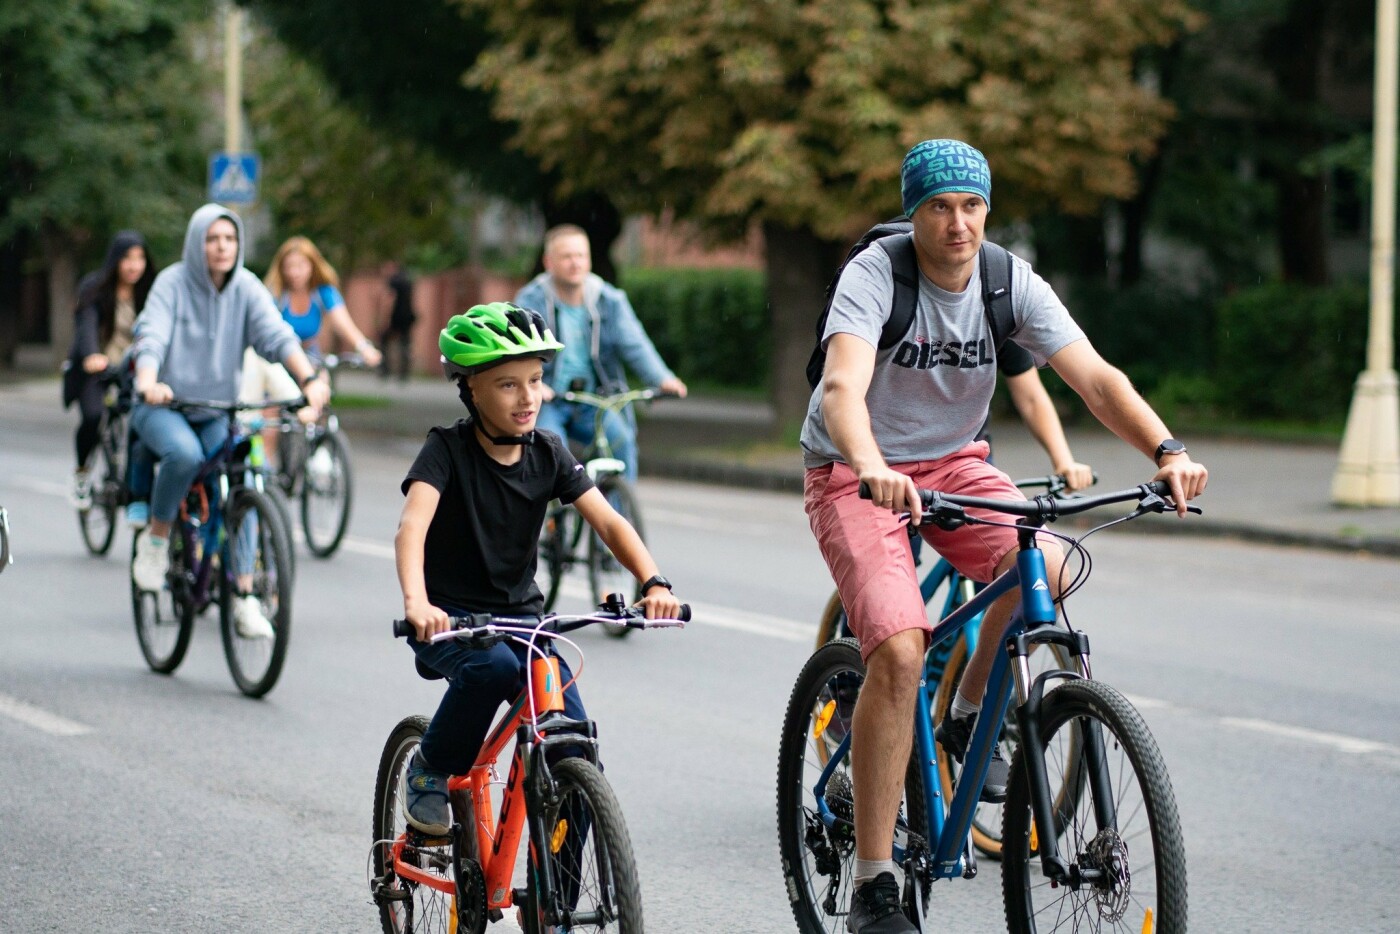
(598,455)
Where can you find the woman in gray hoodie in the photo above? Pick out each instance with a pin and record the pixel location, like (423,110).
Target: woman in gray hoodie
(201,314)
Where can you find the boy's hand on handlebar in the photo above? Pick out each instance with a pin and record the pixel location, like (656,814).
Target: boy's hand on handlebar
(1186,478)
(1077,476)
(894,491)
(660,603)
(426,619)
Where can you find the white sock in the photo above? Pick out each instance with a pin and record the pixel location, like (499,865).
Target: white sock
(962,708)
(867,869)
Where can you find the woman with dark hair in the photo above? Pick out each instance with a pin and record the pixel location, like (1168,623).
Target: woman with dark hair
(109,301)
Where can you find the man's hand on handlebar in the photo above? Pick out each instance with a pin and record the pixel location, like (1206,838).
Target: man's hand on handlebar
(1186,478)
(426,619)
(894,491)
(156,394)
(673,386)
(1077,476)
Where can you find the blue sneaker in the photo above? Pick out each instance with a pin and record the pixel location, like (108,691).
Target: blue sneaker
(138,513)
(425,799)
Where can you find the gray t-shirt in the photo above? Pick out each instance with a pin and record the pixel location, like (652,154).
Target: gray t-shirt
(929,393)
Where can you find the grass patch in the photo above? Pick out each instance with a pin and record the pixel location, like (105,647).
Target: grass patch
(350,400)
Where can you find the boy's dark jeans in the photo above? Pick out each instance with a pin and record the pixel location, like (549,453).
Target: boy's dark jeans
(478,682)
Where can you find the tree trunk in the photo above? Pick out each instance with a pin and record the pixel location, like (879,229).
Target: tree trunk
(61,258)
(11,278)
(598,216)
(799,266)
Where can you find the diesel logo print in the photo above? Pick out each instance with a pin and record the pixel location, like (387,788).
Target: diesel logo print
(927,354)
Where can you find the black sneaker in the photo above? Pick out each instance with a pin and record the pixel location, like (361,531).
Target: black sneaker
(875,908)
(953,734)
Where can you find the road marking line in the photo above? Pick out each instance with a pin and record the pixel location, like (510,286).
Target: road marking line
(689,521)
(40,719)
(1338,741)
(363,547)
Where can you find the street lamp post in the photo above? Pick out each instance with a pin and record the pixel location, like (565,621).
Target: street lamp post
(233,79)
(1368,473)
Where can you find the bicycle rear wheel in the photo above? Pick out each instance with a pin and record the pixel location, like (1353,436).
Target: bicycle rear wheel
(326,492)
(1133,864)
(406,905)
(986,819)
(833,623)
(819,861)
(255,545)
(165,618)
(589,854)
(605,573)
(98,522)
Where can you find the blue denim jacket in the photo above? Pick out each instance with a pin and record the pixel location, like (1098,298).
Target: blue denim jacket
(618,338)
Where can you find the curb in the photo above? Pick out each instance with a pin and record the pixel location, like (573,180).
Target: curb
(758,478)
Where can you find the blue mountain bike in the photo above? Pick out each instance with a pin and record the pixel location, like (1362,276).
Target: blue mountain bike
(1091,839)
(943,666)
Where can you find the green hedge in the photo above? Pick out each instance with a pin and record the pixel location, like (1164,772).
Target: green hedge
(710,325)
(1289,352)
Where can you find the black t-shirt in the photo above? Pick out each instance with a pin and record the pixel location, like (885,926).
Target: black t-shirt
(481,549)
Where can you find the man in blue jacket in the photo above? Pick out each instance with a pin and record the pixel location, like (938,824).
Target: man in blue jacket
(600,333)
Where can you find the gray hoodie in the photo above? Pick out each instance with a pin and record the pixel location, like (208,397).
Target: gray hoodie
(194,335)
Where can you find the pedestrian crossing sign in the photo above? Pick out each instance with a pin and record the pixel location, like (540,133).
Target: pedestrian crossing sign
(233,177)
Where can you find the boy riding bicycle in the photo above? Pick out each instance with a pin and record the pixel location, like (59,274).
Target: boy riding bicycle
(467,539)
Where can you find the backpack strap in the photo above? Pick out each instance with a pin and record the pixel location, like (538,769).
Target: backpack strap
(995,262)
(904,267)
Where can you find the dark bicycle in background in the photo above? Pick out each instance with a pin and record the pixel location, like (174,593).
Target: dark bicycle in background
(107,464)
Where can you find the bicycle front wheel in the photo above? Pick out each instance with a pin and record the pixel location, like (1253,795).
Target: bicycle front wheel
(589,854)
(819,860)
(326,491)
(986,819)
(165,618)
(1129,856)
(407,906)
(256,564)
(605,573)
(98,522)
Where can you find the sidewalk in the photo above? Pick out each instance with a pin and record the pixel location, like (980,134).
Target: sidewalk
(1260,491)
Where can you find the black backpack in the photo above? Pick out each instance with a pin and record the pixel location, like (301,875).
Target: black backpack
(895,237)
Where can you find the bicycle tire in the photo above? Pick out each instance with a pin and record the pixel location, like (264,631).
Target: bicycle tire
(823,699)
(165,619)
(581,796)
(256,664)
(1151,893)
(554,546)
(98,523)
(833,622)
(986,821)
(406,906)
(605,573)
(326,499)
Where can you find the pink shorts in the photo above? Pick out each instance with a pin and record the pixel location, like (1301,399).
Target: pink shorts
(867,548)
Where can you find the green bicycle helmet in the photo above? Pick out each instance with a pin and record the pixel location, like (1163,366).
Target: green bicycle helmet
(489,335)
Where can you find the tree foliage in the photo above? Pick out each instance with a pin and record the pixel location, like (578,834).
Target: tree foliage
(800,113)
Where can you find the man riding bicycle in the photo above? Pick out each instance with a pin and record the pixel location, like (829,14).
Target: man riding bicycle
(600,333)
(898,428)
(201,314)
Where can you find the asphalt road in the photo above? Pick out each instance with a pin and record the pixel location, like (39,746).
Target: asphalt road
(139,802)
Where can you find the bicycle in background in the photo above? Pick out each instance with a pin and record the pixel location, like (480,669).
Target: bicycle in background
(581,874)
(229,536)
(6,559)
(1091,838)
(107,464)
(561,539)
(945,661)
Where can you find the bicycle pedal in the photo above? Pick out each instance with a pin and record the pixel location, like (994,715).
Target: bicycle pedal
(420,840)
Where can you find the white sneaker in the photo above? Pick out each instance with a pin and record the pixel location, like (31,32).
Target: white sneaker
(81,494)
(248,619)
(152,561)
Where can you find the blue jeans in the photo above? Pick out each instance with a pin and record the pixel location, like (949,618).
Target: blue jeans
(575,420)
(181,445)
(478,682)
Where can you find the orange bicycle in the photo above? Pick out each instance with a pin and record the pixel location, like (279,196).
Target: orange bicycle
(580,872)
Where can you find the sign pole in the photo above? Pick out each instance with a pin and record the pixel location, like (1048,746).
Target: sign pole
(233,79)
(1368,473)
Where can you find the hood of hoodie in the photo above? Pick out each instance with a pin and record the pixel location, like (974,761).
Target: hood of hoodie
(196,265)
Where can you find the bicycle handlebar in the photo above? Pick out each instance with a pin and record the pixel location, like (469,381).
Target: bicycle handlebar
(947,510)
(230,408)
(616,400)
(1054,484)
(482,630)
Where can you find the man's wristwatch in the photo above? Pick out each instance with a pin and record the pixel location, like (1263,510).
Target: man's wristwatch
(656,580)
(1169,446)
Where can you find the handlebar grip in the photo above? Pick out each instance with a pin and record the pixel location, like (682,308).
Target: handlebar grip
(402,629)
(1160,487)
(684,615)
(864,490)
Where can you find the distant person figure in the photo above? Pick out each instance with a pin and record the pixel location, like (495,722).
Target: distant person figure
(109,301)
(600,333)
(401,318)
